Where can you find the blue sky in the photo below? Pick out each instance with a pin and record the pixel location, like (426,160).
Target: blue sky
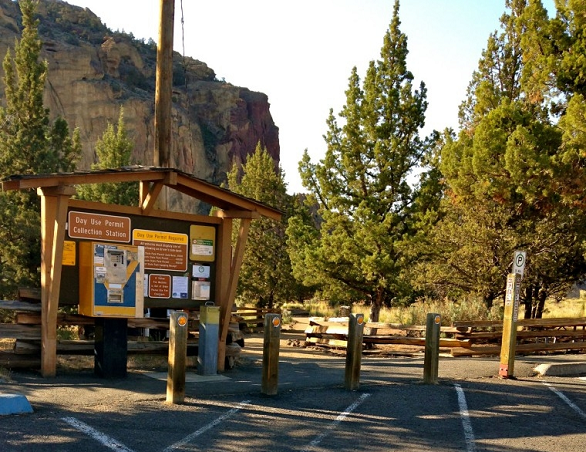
(301,53)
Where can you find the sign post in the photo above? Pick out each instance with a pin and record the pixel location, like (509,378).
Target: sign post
(509,341)
(519,263)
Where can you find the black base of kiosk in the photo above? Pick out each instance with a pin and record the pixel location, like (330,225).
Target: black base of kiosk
(110,348)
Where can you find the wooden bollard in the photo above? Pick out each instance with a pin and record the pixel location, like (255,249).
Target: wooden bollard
(354,351)
(270,354)
(509,341)
(177,357)
(432,339)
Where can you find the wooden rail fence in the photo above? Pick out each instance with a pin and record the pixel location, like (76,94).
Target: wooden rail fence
(26,333)
(462,338)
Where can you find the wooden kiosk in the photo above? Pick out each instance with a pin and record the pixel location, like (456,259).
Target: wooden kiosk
(176,245)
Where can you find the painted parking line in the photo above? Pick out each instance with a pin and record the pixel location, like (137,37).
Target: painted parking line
(336,422)
(100,437)
(562,396)
(207,427)
(465,416)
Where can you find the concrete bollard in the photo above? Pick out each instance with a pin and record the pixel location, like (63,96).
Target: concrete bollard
(354,351)
(209,333)
(270,354)
(177,357)
(432,339)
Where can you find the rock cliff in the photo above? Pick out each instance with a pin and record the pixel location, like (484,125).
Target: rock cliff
(93,72)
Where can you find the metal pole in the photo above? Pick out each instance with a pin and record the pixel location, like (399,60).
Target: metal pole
(209,333)
(509,342)
(270,354)
(354,351)
(432,339)
(177,357)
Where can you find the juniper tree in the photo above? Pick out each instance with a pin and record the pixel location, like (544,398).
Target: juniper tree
(29,144)
(506,178)
(362,249)
(265,277)
(113,150)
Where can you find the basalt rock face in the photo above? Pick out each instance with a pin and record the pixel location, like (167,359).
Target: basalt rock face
(93,72)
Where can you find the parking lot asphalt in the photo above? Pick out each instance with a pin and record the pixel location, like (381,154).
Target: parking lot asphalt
(469,409)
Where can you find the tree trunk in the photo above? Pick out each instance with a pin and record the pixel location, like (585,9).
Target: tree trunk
(540,304)
(528,301)
(377,303)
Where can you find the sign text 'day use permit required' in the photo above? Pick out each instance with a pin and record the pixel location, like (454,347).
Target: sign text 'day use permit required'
(162,250)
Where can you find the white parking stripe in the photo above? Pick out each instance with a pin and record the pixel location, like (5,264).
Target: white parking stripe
(98,436)
(205,428)
(334,424)
(465,416)
(562,396)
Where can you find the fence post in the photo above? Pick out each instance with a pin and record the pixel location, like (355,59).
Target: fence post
(354,351)
(270,354)
(177,357)
(432,339)
(509,342)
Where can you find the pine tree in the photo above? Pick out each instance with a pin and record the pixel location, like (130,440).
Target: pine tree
(505,179)
(29,144)
(265,277)
(362,249)
(113,150)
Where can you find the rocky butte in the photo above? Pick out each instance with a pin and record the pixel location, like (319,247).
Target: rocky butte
(93,72)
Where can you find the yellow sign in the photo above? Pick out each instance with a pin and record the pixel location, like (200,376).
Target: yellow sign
(360,320)
(162,250)
(437,319)
(159,236)
(68,253)
(276,322)
(202,243)
(182,320)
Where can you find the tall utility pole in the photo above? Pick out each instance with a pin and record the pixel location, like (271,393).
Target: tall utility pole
(164,85)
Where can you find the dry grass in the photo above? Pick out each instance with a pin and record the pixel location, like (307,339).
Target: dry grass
(568,308)
(450,311)
(6,344)
(415,314)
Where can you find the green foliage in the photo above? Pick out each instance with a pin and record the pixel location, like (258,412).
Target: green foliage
(29,144)
(513,176)
(363,247)
(265,277)
(114,150)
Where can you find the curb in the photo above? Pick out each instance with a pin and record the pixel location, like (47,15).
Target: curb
(14,404)
(561,370)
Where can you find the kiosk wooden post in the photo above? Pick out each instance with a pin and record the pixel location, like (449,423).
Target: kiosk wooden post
(270,354)
(509,342)
(177,357)
(54,201)
(354,351)
(432,337)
